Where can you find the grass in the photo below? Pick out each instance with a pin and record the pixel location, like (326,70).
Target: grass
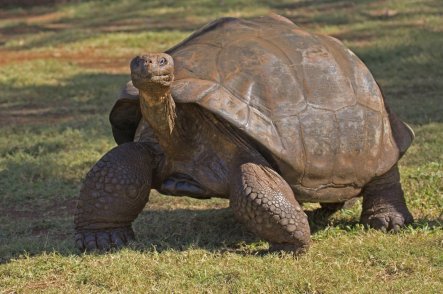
(60,69)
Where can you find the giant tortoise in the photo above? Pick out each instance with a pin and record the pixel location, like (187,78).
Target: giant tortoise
(257,111)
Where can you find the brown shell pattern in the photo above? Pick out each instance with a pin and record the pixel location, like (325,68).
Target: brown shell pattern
(305,97)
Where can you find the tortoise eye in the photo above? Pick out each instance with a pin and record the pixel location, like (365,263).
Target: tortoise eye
(162,61)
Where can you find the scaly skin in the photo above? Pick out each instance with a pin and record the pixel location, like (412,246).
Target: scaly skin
(265,203)
(384,206)
(114,192)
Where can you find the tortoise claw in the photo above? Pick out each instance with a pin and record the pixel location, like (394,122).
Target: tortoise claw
(388,221)
(103,240)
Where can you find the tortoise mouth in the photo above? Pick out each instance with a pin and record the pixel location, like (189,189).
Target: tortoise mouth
(148,80)
(168,78)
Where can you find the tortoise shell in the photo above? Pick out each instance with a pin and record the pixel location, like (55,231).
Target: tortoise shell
(307,100)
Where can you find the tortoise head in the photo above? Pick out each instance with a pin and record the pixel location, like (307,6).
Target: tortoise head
(152,70)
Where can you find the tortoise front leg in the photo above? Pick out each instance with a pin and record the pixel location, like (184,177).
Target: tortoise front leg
(265,203)
(114,192)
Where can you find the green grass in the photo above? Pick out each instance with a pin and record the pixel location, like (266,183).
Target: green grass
(60,70)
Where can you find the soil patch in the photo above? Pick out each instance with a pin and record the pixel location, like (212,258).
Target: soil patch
(90,58)
(56,208)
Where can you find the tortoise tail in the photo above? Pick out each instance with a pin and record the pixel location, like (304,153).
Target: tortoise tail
(402,132)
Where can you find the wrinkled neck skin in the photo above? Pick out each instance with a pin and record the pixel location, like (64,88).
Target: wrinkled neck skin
(158,109)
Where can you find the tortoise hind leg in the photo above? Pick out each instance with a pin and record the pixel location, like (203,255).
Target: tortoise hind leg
(264,202)
(114,192)
(384,205)
(328,209)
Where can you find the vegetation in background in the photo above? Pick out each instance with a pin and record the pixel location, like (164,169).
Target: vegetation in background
(61,67)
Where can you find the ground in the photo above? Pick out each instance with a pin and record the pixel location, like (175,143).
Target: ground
(60,69)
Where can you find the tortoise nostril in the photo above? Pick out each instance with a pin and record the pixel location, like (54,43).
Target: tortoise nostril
(145,59)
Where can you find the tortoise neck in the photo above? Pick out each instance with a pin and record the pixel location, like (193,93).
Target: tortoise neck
(158,109)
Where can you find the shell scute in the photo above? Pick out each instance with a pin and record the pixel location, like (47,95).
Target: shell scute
(321,145)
